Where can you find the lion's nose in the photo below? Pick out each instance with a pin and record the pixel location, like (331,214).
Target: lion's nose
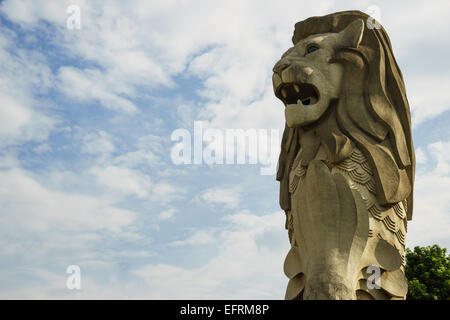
(280,66)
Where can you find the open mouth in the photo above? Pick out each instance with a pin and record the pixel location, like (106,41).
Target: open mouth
(297,93)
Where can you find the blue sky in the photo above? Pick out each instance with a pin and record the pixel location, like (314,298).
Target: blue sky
(86,118)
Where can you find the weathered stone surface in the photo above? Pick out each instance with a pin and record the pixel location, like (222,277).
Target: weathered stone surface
(346,167)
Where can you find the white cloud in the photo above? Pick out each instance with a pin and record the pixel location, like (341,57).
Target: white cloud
(29,12)
(91,85)
(119,182)
(47,229)
(426,96)
(20,123)
(431,217)
(249,248)
(122,181)
(149,151)
(27,203)
(243,258)
(98,142)
(200,237)
(137,158)
(165,192)
(22,117)
(42,148)
(14,116)
(134,48)
(167,214)
(425,24)
(226,196)
(421,157)
(439,151)
(151,142)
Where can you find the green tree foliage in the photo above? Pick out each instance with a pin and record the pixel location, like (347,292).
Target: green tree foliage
(428,273)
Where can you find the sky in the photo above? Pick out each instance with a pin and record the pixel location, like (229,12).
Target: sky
(87,122)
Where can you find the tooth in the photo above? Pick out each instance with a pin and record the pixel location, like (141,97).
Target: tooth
(284,93)
(297,88)
(299,101)
(308,70)
(276,80)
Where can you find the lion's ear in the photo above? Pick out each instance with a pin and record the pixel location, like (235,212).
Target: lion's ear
(351,36)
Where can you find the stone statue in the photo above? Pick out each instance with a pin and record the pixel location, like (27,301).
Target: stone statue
(346,167)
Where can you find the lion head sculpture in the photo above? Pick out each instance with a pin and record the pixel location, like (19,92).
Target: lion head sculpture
(340,80)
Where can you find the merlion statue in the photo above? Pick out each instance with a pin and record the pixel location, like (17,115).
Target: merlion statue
(346,167)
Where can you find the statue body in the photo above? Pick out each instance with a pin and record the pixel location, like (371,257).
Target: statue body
(346,166)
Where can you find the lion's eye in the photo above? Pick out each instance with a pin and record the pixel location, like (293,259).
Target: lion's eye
(311,49)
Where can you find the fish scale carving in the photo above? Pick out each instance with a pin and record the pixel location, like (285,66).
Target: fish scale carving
(388,223)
